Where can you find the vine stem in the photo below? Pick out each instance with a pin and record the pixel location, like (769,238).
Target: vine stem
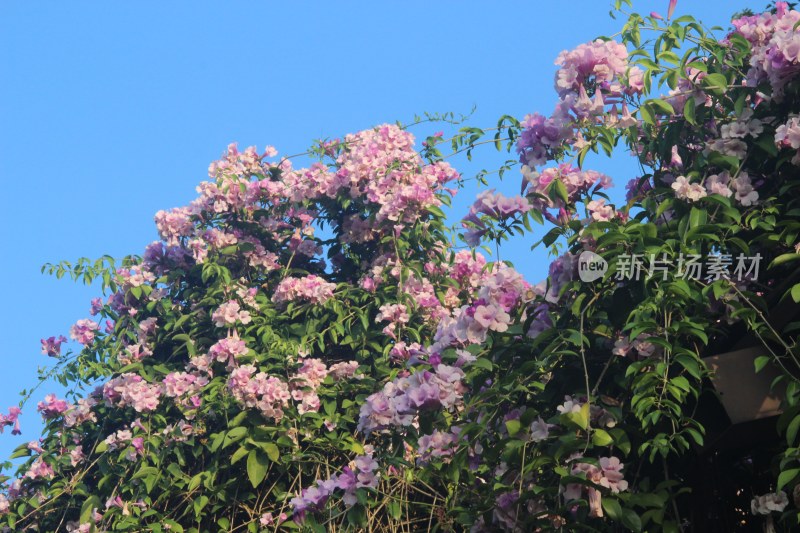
(778,337)
(586,369)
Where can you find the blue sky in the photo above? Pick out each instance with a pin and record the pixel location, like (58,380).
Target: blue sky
(111,111)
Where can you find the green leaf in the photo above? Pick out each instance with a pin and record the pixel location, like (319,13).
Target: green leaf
(791,430)
(199,503)
(238,454)
(357,516)
(689,111)
(483,363)
(716,83)
(149,474)
(173,525)
(580,418)
(91,503)
(784,258)
(689,363)
(612,509)
(195,481)
(665,107)
(796,293)
(559,191)
(256,467)
(760,362)
(631,520)
(787,476)
(513,427)
(234,435)
(272,452)
(697,217)
(395,511)
(600,437)
(647,115)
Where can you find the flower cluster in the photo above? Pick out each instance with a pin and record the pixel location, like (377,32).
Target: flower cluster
(343,370)
(186,387)
(310,288)
(592,77)
(381,165)
(80,412)
(11,419)
(40,469)
(52,407)
(174,224)
(775,49)
(359,474)
(229,313)
(305,384)
(495,206)
(768,503)
(503,289)
(51,346)
(576,182)
(598,64)
(131,389)
(741,188)
(608,475)
(400,400)
(258,389)
(83,331)
(227,350)
(438,445)
(787,136)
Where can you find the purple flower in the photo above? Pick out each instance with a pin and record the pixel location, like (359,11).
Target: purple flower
(51,346)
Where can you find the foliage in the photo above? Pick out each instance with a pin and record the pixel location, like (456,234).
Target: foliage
(307,349)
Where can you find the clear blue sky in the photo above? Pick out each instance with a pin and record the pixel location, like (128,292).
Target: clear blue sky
(110,111)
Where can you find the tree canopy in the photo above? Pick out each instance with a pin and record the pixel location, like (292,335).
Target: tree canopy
(315,349)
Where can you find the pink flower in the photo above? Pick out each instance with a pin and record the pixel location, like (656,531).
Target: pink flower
(310,288)
(52,406)
(51,346)
(183,384)
(671,8)
(97,306)
(539,430)
(599,210)
(258,389)
(80,413)
(312,373)
(718,184)
(131,390)
(39,469)
(228,314)
(340,371)
(492,317)
(12,418)
(76,456)
(174,224)
(397,313)
(688,191)
(228,349)
(83,331)
(612,474)
(768,503)
(745,193)
(438,445)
